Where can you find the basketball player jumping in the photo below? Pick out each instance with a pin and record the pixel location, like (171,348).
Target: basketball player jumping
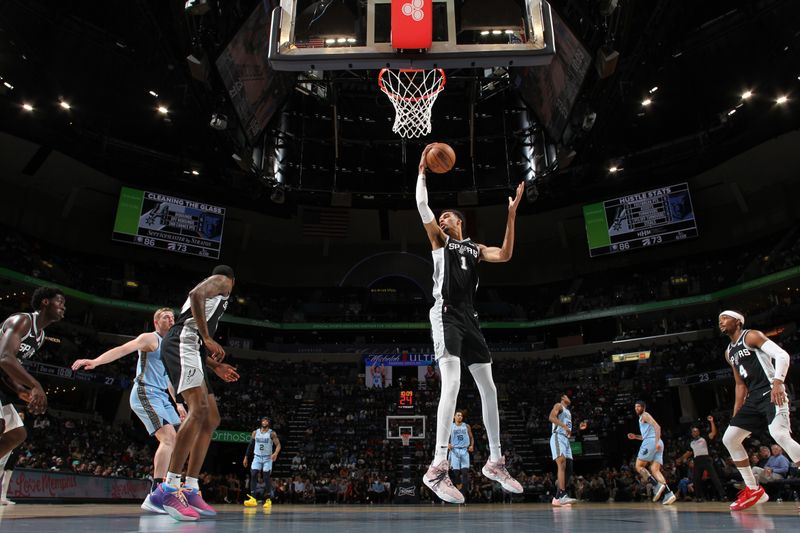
(148,397)
(561,420)
(187,351)
(651,452)
(262,443)
(21,336)
(461,445)
(761,400)
(457,335)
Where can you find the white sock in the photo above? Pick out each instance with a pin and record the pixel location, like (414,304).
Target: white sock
(6,482)
(191,483)
(450,369)
(482,372)
(748,477)
(173,480)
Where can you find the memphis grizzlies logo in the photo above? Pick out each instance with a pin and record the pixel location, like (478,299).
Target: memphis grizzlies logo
(645,451)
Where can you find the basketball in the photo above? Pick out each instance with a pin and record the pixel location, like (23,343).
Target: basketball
(440,158)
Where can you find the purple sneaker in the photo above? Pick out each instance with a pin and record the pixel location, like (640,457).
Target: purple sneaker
(195,500)
(174,502)
(153,502)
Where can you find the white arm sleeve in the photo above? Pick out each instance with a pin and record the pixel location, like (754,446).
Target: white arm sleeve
(422,200)
(780,356)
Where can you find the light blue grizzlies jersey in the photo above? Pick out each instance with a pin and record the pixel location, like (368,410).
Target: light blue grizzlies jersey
(150,369)
(647,430)
(459,436)
(263,443)
(566,418)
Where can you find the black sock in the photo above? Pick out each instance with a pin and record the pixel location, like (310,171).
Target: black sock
(156,482)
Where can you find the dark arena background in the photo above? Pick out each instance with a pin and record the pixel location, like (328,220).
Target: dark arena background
(143,143)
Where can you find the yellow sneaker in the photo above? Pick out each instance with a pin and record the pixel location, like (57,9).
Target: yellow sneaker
(267,504)
(250,501)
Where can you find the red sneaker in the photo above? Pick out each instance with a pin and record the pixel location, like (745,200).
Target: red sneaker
(749,497)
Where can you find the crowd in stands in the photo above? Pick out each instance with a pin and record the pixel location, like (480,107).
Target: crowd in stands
(341,454)
(159,284)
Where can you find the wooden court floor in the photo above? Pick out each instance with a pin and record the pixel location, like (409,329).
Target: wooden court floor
(510,518)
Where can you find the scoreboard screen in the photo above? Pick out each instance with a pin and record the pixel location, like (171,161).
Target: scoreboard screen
(406,400)
(640,220)
(169,223)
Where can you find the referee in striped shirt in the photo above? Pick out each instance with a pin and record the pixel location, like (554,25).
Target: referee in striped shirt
(702,460)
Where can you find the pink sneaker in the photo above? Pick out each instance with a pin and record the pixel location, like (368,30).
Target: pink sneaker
(437,478)
(195,500)
(174,502)
(496,471)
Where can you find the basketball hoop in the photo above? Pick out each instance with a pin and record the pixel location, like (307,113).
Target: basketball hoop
(406,438)
(412,93)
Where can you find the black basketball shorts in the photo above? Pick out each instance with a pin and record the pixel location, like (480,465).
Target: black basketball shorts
(758,412)
(184,358)
(456,331)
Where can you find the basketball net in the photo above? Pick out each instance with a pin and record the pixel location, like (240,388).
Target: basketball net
(412,93)
(406,438)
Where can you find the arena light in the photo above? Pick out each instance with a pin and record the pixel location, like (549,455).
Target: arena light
(613,169)
(153,94)
(485,32)
(65,105)
(508,32)
(330,41)
(195,172)
(341,40)
(747,95)
(163,110)
(731,112)
(646,102)
(496,32)
(27,107)
(8,85)
(781,99)
(653,89)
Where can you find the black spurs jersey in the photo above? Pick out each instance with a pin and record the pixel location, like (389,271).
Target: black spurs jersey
(32,341)
(214,309)
(29,344)
(455,272)
(752,364)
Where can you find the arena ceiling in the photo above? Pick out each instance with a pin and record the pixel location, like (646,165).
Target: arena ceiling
(114,63)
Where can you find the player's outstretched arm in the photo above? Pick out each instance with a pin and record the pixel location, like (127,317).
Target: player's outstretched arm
(435,233)
(145,342)
(493,254)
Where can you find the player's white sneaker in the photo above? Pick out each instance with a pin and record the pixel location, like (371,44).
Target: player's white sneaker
(658,492)
(669,499)
(496,471)
(437,478)
(563,501)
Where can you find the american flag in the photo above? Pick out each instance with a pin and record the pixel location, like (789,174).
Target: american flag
(331,223)
(311,43)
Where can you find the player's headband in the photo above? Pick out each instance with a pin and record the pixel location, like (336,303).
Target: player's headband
(734,314)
